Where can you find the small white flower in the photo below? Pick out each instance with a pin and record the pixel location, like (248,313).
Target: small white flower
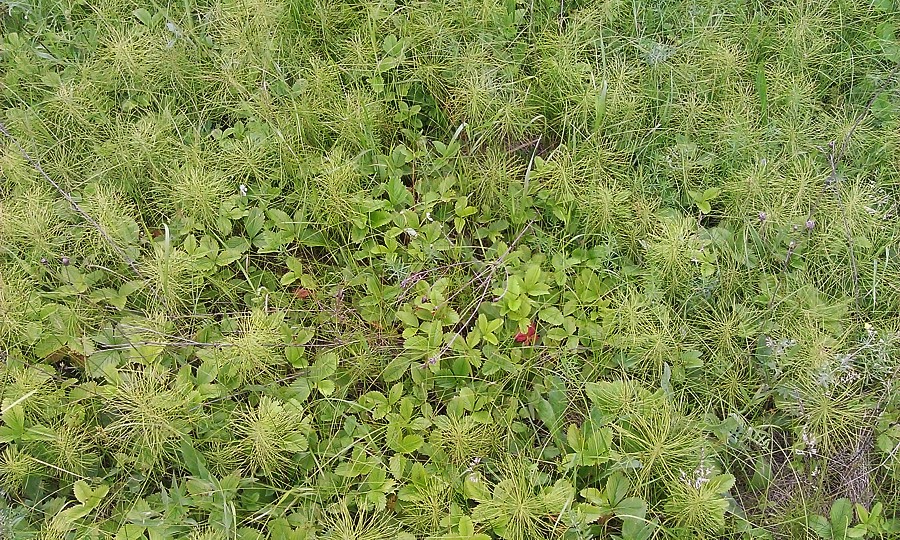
(243,189)
(411,232)
(173,28)
(809,443)
(700,476)
(428,216)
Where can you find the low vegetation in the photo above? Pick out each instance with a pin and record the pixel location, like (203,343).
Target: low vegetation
(458,269)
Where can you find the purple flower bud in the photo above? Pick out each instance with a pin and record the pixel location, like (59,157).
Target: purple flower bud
(810,224)
(762,217)
(65,261)
(44,261)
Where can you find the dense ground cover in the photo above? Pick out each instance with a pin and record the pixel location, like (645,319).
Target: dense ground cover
(461,269)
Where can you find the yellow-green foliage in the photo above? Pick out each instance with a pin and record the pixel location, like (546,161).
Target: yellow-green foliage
(483,269)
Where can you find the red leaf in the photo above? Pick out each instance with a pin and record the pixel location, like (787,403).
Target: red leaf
(530,336)
(302,293)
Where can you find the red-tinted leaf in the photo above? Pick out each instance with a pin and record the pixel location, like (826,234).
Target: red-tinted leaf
(529,336)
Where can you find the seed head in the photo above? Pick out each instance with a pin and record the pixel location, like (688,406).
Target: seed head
(65,261)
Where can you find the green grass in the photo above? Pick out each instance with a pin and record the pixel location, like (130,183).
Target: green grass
(462,269)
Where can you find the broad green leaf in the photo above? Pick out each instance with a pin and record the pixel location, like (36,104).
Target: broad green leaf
(466,527)
(130,532)
(14,418)
(721,483)
(608,395)
(297,442)
(391,45)
(280,218)
(532,276)
(552,315)
(82,491)
(410,443)
(841,513)
(821,527)
(143,15)
(325,366)
(207,372)
(633,507)
(637,529)
(594,496)
(193,460)
(38,433)
(396,368)
(325,387)
(254,221)
(467,398)
(617,486)
(475,488)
